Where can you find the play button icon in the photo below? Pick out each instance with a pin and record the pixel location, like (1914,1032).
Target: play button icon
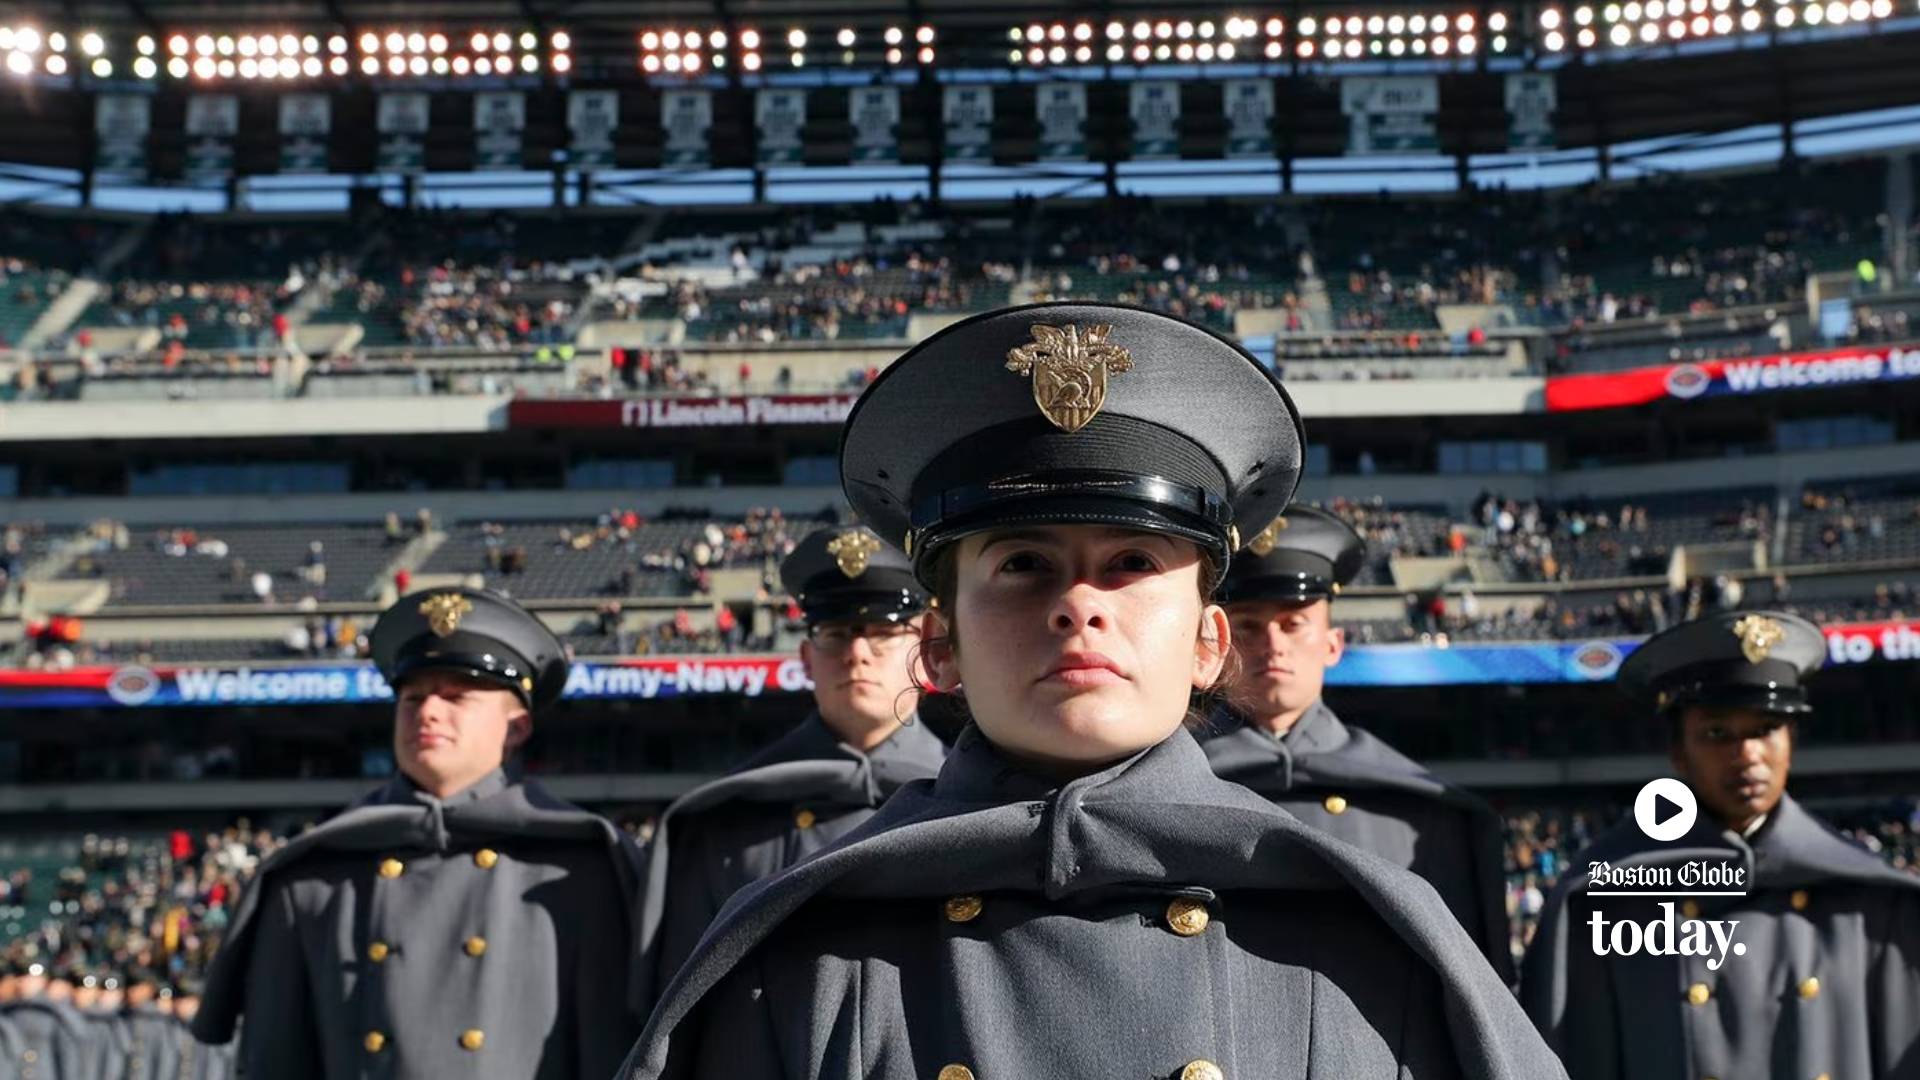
(1665,809)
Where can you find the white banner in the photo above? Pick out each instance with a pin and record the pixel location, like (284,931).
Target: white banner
(403,120)
(404,114)
(121,123)
(1155,109)
(305,122)
(498,121)
(967,115)
(687,116)
(875,113)
(592,116)
(1532,98)
(779,116)
(1248,104)
(1391,115)
(1061,109)
(216,115)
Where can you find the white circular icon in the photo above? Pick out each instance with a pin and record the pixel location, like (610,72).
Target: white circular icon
(1665,809)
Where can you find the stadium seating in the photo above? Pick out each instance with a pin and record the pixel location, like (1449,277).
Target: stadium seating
(215,564)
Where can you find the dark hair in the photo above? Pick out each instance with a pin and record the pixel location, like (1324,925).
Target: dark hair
(943,573)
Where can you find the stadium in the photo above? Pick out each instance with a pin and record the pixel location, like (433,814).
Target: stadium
(1600,319)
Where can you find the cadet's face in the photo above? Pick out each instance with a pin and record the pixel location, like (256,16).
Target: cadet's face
(1735,760)
(112,999)
(86,997)
(450,730)
(186,1007)
(862,672)
(140,994)
(1079,645)
(59,990)
(1285,651)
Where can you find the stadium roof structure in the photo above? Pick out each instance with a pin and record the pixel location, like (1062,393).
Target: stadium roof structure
(1676,93)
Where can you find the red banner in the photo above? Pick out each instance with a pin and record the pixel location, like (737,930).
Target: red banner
(737,410)
(1746,375)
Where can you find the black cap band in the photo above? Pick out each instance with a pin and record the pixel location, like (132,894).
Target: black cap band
(467,654)
(1301,587)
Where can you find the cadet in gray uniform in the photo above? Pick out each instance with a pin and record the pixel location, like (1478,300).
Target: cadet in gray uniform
(459,921)
(49,1036)
(863,610)
(1283,741)
(1077,894)
(1824,980)
(192,1059)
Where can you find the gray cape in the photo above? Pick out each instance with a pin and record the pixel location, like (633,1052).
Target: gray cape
(1394,808)
(562,844)
(1817,907)
(1059,963)
(49,1040)
(735,830)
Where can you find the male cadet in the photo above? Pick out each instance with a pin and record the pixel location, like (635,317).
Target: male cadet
(863,609)
(1290,747)
(1812,971)
(459,921)
(47,1036)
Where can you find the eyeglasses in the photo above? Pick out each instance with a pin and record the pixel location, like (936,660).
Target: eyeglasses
(835,639)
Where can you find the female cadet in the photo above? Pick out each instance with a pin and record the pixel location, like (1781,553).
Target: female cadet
(1076,894)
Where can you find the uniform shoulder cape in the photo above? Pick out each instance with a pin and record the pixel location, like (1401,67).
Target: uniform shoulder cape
(809,763)
(1160,816)
(1791,850)
(398,815)
(1322,752)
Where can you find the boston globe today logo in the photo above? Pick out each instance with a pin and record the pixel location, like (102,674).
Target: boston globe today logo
(1665,810)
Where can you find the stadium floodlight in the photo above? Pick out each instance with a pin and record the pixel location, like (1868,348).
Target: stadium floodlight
(1116,53)
(437,43)
(249,68)
(145,45)
(893,55)
(249,45)
(177,67)
(1142,31)
(1307,25)
(562,63)
(91,44)
(1058,54)
(57,41)
(1553,41)
(1183,29)
(311,67)
(56,64)
(846,37)
(1163,52)
(289,45)
(226,69)
(715,40)
(1084,31)
(145,68)
(1116,31)
(1305,49)
(751,61)
(894,35)
(798,59)
(750,39)
(1275,50)
(529,39)
(1275,26)
(310,45)
(796,38)
(396,42)
(502,42)
(1057,32)
(440,66)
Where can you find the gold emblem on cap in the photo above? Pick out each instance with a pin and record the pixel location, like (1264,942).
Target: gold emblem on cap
(1268,538)
(1758,635)
(444,612)
(851,550)
(1069,365)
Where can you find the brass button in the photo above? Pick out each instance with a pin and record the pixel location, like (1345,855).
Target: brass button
(1202,1070)
(1697,994)
(955,1072)
(30,1056)
(803,819)
(392,868)
(377,952)
(486,858)
(1799,899)
(1810,988)
(473,1039)
(1188,918)
(963,908)
(1690,908)
(1335,804)
(476,946)
(374,1042)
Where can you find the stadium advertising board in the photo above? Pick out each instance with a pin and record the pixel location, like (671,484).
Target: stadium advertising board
(649,678)
(751,410)
(1722,378)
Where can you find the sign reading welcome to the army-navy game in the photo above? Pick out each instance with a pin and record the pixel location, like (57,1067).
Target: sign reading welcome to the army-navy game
(1411,664)
(1723,378)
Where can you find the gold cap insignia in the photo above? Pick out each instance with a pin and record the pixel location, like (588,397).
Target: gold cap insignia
(1268,538)
(851,550)
(1758,635)
(1069,366)
(444,612)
